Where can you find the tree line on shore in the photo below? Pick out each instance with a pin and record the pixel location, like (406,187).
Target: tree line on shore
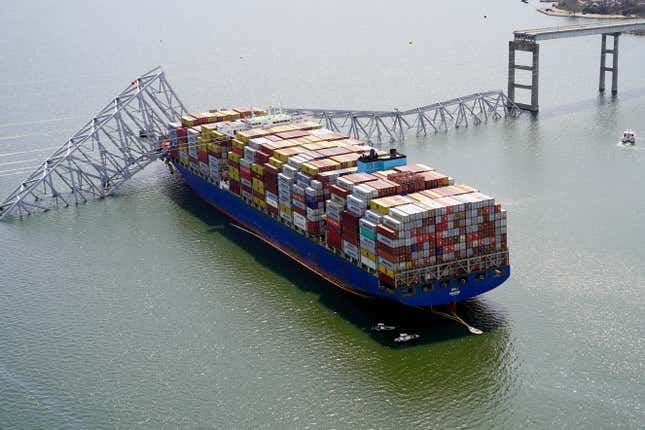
(605,7)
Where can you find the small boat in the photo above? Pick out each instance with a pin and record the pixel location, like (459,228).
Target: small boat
(404,337)
(383,327)
(525,1)
(629,137)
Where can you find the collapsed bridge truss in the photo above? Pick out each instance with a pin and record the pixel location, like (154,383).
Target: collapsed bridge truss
(124,137)
(121,140)
(391,126)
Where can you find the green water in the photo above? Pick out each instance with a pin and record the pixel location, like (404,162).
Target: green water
(148,310)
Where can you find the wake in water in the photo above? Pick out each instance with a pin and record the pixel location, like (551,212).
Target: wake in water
(630,147)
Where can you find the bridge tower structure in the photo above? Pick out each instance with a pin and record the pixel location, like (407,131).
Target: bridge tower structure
(527,40)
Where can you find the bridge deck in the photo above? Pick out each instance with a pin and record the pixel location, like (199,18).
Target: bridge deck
(538,34)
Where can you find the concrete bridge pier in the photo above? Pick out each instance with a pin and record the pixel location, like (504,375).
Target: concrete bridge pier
(534,49)
(603,61)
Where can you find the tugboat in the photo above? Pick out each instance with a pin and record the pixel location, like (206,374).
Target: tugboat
(383,327)
(404,337)
(629,137)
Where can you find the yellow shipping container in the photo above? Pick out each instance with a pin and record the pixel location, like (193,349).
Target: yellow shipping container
(388,272)
(206,131)
(385,173)
(214,147)
(245,135)
(234,173)
(309,169)
(219,136)
(367,254)
(312,139)
(257,168)
(187,121)
(210,116)
(227,115)
(284,154)
(258,186)
(234,157)
(285,209)
(381,205)
(275,162)
(238,143)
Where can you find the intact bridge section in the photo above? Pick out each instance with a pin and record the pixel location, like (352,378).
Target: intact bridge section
(527,40)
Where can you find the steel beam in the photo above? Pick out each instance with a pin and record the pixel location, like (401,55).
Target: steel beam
(380,126)
(105,153)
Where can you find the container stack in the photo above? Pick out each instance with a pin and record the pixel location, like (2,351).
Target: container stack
(368,230)
(286,181)
(393,220)
(271,189)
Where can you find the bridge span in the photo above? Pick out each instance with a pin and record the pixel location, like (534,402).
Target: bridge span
(527,40)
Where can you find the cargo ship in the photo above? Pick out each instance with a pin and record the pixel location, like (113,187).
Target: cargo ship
(361,218)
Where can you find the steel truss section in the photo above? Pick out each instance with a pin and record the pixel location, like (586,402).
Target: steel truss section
(427,274)
(391,126)
(121,140)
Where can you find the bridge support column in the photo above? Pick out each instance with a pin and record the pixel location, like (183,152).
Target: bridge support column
(534,49)
(603,63)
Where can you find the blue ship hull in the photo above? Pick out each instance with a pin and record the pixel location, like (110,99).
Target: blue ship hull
(331,266)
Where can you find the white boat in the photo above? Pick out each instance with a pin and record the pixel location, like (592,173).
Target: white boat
(629,137)
(383,327)
(404,337)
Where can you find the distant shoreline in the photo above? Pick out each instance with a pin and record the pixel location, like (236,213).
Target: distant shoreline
(555,11)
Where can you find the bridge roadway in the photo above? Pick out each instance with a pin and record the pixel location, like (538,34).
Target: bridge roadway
(548,33)
(527,40)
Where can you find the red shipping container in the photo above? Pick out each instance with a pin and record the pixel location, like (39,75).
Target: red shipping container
(339,191)
(351,238)
(261,157)
(234,186)
(386,280)
(350,219)
(203,156)
(333,224)
(386,231)
(272,210)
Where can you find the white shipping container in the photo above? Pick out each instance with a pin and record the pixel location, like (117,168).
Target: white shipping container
(285,215)
(271,201)
(299,221)
(203,168)
(351,250)
(369,263)
(192,150)
(338,199)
